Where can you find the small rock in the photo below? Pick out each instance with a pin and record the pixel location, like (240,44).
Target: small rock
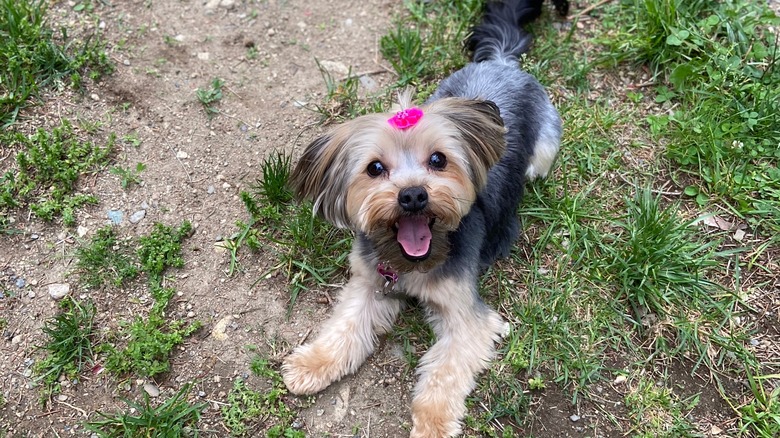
(190,314)
(151,389)
(210,190)
(21,282)
(620,379)
(27,372)
(739,235)
(82,231)
(227,4)
(115,216)
(320,412)
(34,236)
(335,67)
(574,418)
(212,4)
(62,397)
(754,342)
(203,56)
(16,340)
(217,379)
(271,32)
(58,291)
(94,97)
(182,155)
(218,332)
(201,394)
(137,216)
(715,430)
(126,62)
(31,294)
(226,185)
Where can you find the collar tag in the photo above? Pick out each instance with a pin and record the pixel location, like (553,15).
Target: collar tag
(390,276)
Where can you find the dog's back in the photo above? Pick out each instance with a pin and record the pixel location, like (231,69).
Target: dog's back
(533,125)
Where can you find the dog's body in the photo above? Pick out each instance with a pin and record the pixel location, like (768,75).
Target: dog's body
(433,203)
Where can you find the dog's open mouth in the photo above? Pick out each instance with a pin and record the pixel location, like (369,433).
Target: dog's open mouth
(414,236)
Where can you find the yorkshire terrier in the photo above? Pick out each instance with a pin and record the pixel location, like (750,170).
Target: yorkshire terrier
(432,194)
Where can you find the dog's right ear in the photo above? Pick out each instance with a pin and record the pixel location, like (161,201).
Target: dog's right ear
(321,176)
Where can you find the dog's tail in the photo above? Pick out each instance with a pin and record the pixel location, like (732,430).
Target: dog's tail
(500,35)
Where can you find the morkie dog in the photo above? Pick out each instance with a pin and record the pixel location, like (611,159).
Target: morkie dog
(431,193)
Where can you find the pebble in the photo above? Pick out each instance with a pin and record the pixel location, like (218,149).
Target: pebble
(27,372)
(115,216)
(219,332)
(574,418)
(182,155)
(62,397)
(203,56)
(320,412)
(58,291)
(126,62)
(754,342)
(210,190)
(190,314)
(94,97)
(20,282)
(271,32)
(151,389)
(201,394)
(620,379)
(82,231)
(31,294)
(137,216)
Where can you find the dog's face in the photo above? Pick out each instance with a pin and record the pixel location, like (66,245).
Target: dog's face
(404,188)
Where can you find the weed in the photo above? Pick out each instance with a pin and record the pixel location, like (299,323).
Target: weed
(128,176)
(32,60)
(208,97)
(48,168)
(655,411)
(174,418)
(342,101)
(106,260)
(761,415)
(69,344)
(247,410)
(150,341)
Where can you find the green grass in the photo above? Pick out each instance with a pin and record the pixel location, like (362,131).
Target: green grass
(210,96)
(35,57)
(310,252)
(48,168)
(173,418)
(68,346)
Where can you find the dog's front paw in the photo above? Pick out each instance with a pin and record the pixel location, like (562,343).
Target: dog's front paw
(308,370)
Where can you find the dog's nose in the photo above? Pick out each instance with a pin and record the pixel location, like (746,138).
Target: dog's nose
(413,199)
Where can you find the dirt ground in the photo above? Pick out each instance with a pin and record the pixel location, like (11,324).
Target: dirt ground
(164,50)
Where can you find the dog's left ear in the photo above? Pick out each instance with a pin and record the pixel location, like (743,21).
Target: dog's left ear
(482,129)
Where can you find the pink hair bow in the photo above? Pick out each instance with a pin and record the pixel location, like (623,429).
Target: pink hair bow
(405,118)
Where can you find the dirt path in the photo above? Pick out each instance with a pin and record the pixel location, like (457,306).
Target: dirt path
(195,169)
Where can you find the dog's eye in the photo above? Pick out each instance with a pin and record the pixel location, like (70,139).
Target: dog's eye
(375,168)
(438,161)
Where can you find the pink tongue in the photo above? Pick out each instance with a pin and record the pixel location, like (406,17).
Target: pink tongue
(414,235)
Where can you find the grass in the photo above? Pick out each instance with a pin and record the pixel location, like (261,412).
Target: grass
(106,261)
(309,251)
(48,167)
(69,345)
(128,176)
(34,57)
(173,418)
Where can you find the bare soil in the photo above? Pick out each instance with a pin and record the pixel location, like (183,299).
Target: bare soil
(196,167)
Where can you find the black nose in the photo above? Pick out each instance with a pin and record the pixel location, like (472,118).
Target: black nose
(413,199)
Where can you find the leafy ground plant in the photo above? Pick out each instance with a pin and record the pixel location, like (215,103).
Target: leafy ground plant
(209,96)
(106,260)
(248,411)
(49,165)
(174,418)
(128,175)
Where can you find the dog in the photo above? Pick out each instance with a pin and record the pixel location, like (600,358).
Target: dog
(431,194)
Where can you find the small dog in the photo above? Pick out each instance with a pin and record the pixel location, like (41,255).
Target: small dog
(431,194)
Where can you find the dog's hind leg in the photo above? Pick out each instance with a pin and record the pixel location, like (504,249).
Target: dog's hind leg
(346,339)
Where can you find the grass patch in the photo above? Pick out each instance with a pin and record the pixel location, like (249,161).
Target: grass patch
(68,346)
(248,412)
(150,341)
(310,252)
(48,168)
(173,418)
(655,411)
(34,57)
(106,260)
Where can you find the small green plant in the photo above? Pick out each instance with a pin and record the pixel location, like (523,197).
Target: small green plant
(210,96)
(150,341)
(69,345)
(49,165)
(536,383)
(106,260)
(132,138)
(129,176)
(761,415)
(174,418)
(342,101)
(655,411)
(248,410)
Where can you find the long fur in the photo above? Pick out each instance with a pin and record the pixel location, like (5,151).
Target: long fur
(497,128)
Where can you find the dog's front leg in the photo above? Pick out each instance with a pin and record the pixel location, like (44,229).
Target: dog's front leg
(466,331)
(345,340)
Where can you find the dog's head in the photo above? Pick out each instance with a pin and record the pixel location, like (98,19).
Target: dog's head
(404,182)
